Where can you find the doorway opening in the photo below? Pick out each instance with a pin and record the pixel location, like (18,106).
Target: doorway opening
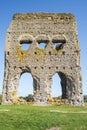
(25,85)
(59,86)
(56,86)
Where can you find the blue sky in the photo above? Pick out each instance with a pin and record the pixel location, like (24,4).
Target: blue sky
(77,7)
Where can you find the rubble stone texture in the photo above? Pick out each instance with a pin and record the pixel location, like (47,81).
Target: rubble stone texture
(61,54)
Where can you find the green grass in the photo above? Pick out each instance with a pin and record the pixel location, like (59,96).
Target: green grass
(13,117)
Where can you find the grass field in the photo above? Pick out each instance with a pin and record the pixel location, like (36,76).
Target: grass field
(13,117)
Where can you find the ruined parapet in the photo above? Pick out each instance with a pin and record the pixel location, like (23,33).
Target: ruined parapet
(61,54)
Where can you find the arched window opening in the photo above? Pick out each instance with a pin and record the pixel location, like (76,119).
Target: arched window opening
(25,44)
(25,85)
(42,45)
(56,86)
(58,44)
(42,41)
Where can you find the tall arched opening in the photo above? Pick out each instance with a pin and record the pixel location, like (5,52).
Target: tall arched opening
(56,86)
(25,85)
(59,85)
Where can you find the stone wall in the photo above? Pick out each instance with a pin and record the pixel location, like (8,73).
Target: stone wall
(61,54)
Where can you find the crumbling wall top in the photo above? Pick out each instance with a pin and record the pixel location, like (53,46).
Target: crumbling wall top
(60,16)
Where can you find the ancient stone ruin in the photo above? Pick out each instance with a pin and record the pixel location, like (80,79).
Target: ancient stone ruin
(57,33)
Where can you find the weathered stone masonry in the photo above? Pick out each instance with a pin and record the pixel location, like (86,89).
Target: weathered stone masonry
(61,55)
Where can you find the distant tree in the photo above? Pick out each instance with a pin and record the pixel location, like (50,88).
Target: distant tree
(0,98)
(85,98)
(29,98)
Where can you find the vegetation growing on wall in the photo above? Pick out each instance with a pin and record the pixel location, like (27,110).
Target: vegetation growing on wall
(21,54)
